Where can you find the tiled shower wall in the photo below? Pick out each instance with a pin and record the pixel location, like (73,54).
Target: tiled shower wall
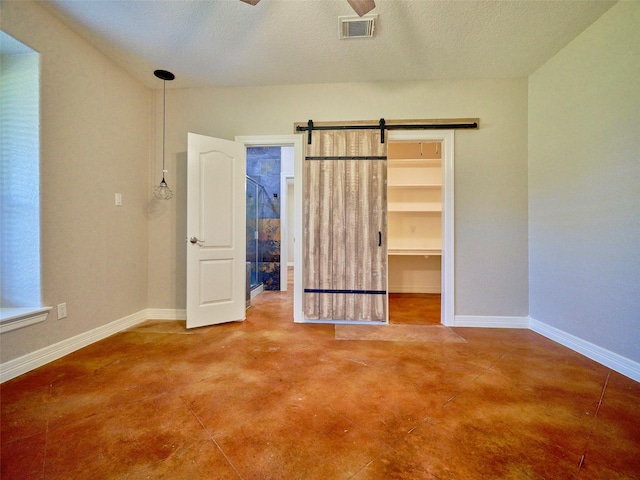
(263,165)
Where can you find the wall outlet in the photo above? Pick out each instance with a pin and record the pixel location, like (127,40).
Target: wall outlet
(118,199)
(62,311)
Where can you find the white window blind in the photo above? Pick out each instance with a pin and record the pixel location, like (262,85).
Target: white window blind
(19,175)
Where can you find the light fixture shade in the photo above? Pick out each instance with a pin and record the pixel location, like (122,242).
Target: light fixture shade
(162,191)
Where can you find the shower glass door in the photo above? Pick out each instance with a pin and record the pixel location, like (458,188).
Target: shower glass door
(253,209)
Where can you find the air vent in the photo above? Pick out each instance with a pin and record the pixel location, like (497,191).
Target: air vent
(357,27)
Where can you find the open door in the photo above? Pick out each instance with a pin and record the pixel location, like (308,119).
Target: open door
(216,271)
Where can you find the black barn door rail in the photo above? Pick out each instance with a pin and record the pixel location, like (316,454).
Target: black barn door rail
(382,125)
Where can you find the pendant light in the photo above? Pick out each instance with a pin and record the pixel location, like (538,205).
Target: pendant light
(162,191)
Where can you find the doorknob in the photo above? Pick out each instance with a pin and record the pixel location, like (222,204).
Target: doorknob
(195,240)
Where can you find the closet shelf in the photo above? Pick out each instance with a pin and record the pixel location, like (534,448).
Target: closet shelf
(414,185)
(414,162)
(409,208)
(414,251)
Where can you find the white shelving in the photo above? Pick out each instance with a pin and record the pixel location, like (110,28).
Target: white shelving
(414,217)
(414,200)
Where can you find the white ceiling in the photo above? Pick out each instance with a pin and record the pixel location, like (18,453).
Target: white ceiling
(230,43)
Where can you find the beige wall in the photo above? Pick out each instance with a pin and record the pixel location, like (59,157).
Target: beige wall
(95,133)
(575,121)
(491,171)
(108,262)
(584,185)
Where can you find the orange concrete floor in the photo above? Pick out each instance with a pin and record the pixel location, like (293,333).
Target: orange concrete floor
(414,308)
(270,399)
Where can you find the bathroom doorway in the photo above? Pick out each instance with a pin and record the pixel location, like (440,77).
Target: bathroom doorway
(277,233)
(263,217)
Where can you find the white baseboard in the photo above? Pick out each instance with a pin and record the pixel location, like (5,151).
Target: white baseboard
(165,314)
(257,291)
(36,359)
(24,364)
(30,361)
(490,321)
(601,355)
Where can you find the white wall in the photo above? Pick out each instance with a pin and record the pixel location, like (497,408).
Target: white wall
(415,274)
(584,185)
(287,160)
(288,229)
(94,139)
(491,171)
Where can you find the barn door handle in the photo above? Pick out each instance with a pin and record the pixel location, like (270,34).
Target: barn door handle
(379,238)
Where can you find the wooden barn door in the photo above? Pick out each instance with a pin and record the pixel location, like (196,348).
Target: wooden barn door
(345,227)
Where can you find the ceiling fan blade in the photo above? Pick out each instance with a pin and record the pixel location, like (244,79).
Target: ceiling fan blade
(362,7)
(251,2)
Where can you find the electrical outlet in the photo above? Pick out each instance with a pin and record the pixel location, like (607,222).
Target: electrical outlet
(118,199)
(62,311)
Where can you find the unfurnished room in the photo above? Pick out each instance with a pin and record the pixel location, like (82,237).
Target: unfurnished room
(319,239)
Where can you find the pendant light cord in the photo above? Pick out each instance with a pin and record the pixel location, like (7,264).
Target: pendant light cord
(164,117)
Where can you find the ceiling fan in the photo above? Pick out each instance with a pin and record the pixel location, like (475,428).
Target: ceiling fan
(361,7)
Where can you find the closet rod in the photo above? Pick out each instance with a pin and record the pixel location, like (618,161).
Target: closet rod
(382,126)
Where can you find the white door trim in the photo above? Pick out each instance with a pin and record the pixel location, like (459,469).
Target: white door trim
(296,141)
(448,254)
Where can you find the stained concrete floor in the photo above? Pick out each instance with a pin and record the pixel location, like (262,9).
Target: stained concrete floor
(270,399)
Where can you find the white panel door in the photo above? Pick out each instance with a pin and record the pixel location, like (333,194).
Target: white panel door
(216,252)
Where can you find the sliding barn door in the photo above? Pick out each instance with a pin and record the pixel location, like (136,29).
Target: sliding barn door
(345,227)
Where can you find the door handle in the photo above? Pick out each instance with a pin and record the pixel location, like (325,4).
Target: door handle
(195,240)
(379,238)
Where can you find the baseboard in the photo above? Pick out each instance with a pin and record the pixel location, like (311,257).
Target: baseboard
(30,361)
(26,363)
(490,321)
(257,291)
(165,314)
(598,354)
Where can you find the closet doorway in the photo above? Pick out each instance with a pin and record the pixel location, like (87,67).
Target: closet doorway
(420,223)
(414,209)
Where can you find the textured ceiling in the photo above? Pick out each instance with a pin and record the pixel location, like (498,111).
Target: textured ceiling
(230,43)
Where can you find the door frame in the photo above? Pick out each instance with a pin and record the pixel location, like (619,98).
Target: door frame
(447,307)
(297,142)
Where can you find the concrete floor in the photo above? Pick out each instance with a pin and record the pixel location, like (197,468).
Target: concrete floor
(270,399)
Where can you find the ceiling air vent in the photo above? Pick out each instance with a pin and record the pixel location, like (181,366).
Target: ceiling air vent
(357,27)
